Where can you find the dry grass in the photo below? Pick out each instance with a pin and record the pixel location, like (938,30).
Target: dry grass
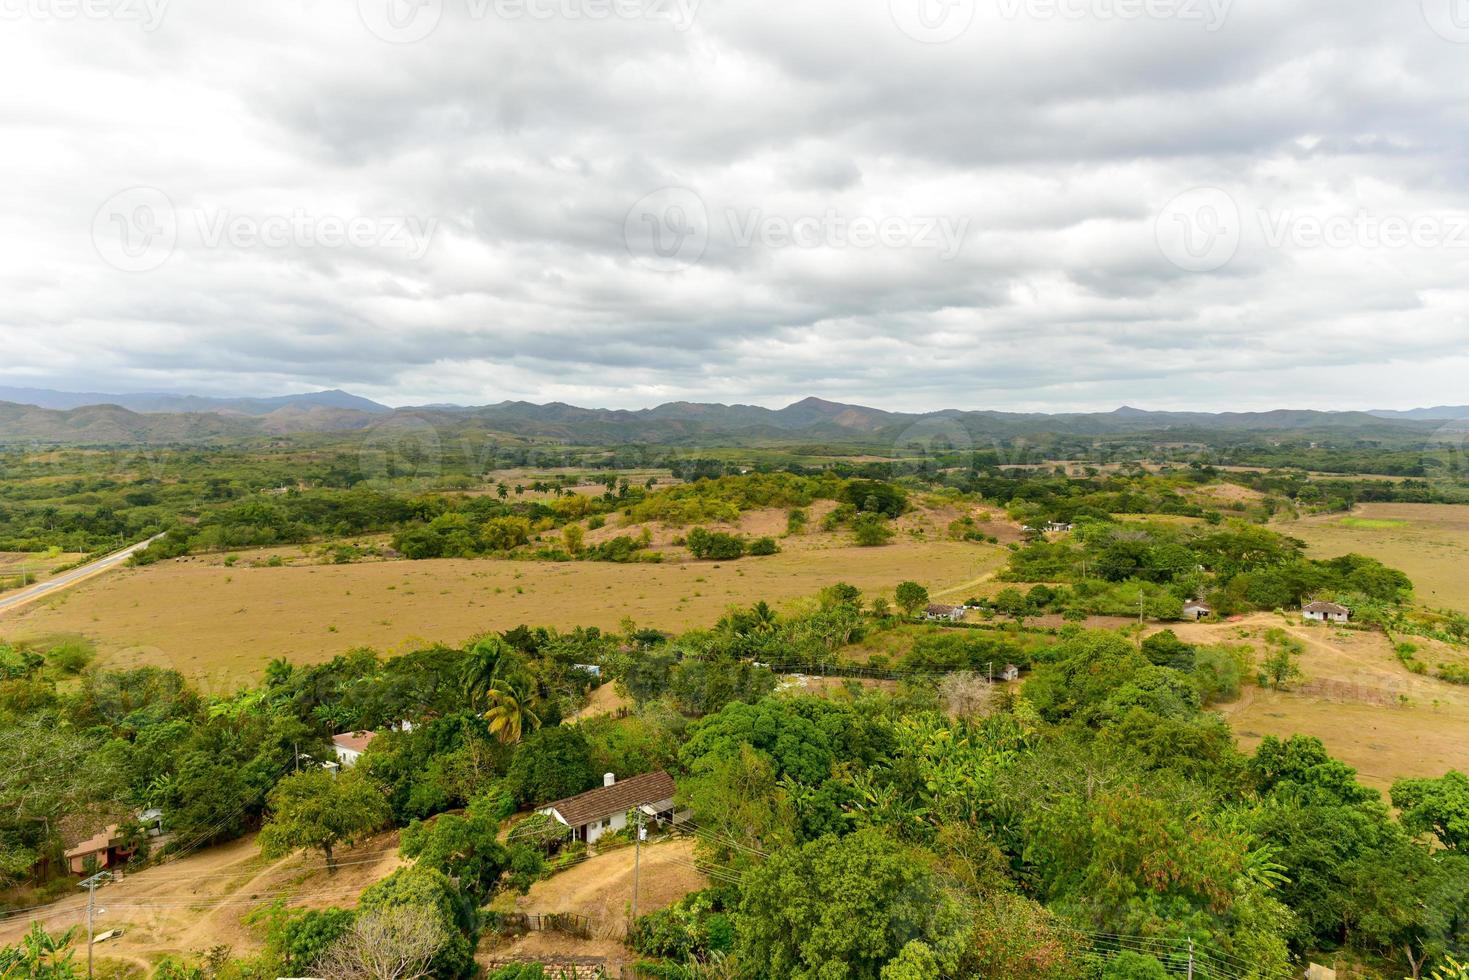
(1356,697)
(220,625)
(601,887)
(1430,542)
(201,900)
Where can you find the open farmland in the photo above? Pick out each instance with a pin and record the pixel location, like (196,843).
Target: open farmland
(1368,709)
(221,625)
(1430,542)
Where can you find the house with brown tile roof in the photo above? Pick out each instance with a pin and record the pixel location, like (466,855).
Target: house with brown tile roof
(605,809)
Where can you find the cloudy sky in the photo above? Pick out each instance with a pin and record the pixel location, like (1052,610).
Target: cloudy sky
(1026,204)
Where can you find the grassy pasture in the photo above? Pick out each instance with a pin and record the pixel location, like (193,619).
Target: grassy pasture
(220,625)
(1430,542)
(1356,697)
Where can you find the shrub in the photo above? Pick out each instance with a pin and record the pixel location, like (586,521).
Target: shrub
(763,546)
(715,545)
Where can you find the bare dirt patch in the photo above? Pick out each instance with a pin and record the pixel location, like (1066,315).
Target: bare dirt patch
(201,900)
(600,888)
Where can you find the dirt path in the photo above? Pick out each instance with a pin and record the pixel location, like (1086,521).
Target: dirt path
(201,900)
(601,887)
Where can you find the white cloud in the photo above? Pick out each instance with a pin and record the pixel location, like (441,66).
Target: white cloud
(523,141)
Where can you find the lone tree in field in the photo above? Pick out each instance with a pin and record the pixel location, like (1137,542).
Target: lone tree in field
(911,597)
(317,810)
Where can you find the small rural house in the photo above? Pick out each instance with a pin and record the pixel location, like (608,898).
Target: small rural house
(605,809)
(1197,609)
(105,850)
(939,611)
(1326,612)
(349,746)
(1010,673)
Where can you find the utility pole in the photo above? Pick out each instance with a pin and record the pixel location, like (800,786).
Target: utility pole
(991,668)
(1190,959)
(637,863)
(91,886)
(1139,610)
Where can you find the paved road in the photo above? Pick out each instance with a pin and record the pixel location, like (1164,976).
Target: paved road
(14,600)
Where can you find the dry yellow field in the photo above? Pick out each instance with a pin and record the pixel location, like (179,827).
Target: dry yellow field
(1430,542)
(220,625)
(1368,709)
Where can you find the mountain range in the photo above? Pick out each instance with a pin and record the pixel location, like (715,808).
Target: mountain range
(43,415)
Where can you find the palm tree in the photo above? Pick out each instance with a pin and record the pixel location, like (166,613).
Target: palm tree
(512,709)
(487,660)
(764,617)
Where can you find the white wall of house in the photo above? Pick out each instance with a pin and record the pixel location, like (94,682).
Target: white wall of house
(610,825)
(347,757)
(1322,617)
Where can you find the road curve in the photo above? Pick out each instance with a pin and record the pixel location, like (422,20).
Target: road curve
(64,581)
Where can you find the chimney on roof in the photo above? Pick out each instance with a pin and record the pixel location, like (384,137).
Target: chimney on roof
(608,779)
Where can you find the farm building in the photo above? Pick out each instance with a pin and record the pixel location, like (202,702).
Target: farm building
(349,746)
(1326,612)
(1197,609)
(605,809)
(1010,673)
(939,611)
(106,850)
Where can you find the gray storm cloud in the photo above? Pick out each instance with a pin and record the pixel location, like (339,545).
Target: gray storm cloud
(618,202)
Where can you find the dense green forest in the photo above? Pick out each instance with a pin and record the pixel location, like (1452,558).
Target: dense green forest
(1095,821)
(321,487)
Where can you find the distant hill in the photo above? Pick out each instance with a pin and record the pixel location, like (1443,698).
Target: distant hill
(158,402)
(1445,412)
(811,421)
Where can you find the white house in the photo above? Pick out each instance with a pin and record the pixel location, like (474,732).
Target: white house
(1326,612)
(604,810)
(939,611)
(350,746)
(1010,673)
(1197,609)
